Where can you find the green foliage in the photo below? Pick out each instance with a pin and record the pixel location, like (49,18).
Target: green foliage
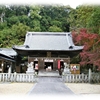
(54,29)
(12,20)
(54,16)
(19,31)
(16,20)
(94,21)
(5,36)
(15,35)
(82,15)
(3,25)
(24,19)
(85,16)
(72,19)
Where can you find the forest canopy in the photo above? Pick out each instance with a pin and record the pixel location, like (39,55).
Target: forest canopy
(16,20)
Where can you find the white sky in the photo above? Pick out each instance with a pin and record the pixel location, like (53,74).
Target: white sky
(72,3)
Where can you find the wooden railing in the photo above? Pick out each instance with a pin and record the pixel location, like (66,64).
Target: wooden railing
(16,77)
(75,78)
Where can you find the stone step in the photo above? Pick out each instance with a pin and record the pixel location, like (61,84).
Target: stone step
(48,73)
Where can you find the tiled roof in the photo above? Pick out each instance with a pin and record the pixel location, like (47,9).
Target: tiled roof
(61,41)
(8,51)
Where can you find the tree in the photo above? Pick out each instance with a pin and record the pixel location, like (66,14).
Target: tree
(94,20)
(83,14)
(55,15)
(19,31)
(72,19)
(5,37)
(45,23)
(12,20)
(54,29)
(18,19)
(3,25)
(90,54)
(24,19)
(35,18)
(2,13)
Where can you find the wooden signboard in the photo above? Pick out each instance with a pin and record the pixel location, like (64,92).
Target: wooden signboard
(75,68)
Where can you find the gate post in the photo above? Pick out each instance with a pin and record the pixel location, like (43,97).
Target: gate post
(15,76)
(89,75)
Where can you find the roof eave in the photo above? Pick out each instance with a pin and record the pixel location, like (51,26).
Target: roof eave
(27,49)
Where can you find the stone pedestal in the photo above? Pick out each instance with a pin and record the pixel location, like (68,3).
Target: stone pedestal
(30,71)
(67,71)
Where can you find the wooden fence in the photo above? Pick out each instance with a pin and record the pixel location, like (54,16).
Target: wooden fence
(16,77)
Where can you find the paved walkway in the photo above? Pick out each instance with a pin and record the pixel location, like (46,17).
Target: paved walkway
(50,85)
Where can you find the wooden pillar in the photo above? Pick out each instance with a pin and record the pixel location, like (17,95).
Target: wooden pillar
(54,64)
(57,63)
(41,63)
(18,69)
(9,69)
(31,59)
(2,66)
(28,59)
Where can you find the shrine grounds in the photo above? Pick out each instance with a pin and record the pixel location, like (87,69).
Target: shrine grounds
(22,89)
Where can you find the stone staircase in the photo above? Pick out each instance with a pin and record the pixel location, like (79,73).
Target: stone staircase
(48,73)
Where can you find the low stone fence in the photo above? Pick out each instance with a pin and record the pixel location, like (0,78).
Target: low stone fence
(91,77)
(16,77)
(95,78)
(75,78)
(68,78)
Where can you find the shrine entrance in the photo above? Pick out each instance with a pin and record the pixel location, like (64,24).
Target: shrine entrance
(48,65)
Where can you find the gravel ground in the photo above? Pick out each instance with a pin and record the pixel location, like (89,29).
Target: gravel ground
(23,88)
(84,88)
(15,88)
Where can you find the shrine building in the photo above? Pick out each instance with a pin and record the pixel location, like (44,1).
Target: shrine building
(48,49)
(7,60)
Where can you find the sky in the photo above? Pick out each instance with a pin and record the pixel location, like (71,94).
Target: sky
(72,3)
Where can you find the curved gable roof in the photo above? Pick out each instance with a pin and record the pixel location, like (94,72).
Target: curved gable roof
(60,41)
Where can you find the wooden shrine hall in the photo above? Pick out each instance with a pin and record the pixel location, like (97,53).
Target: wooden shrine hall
(48,48)
(7,60)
